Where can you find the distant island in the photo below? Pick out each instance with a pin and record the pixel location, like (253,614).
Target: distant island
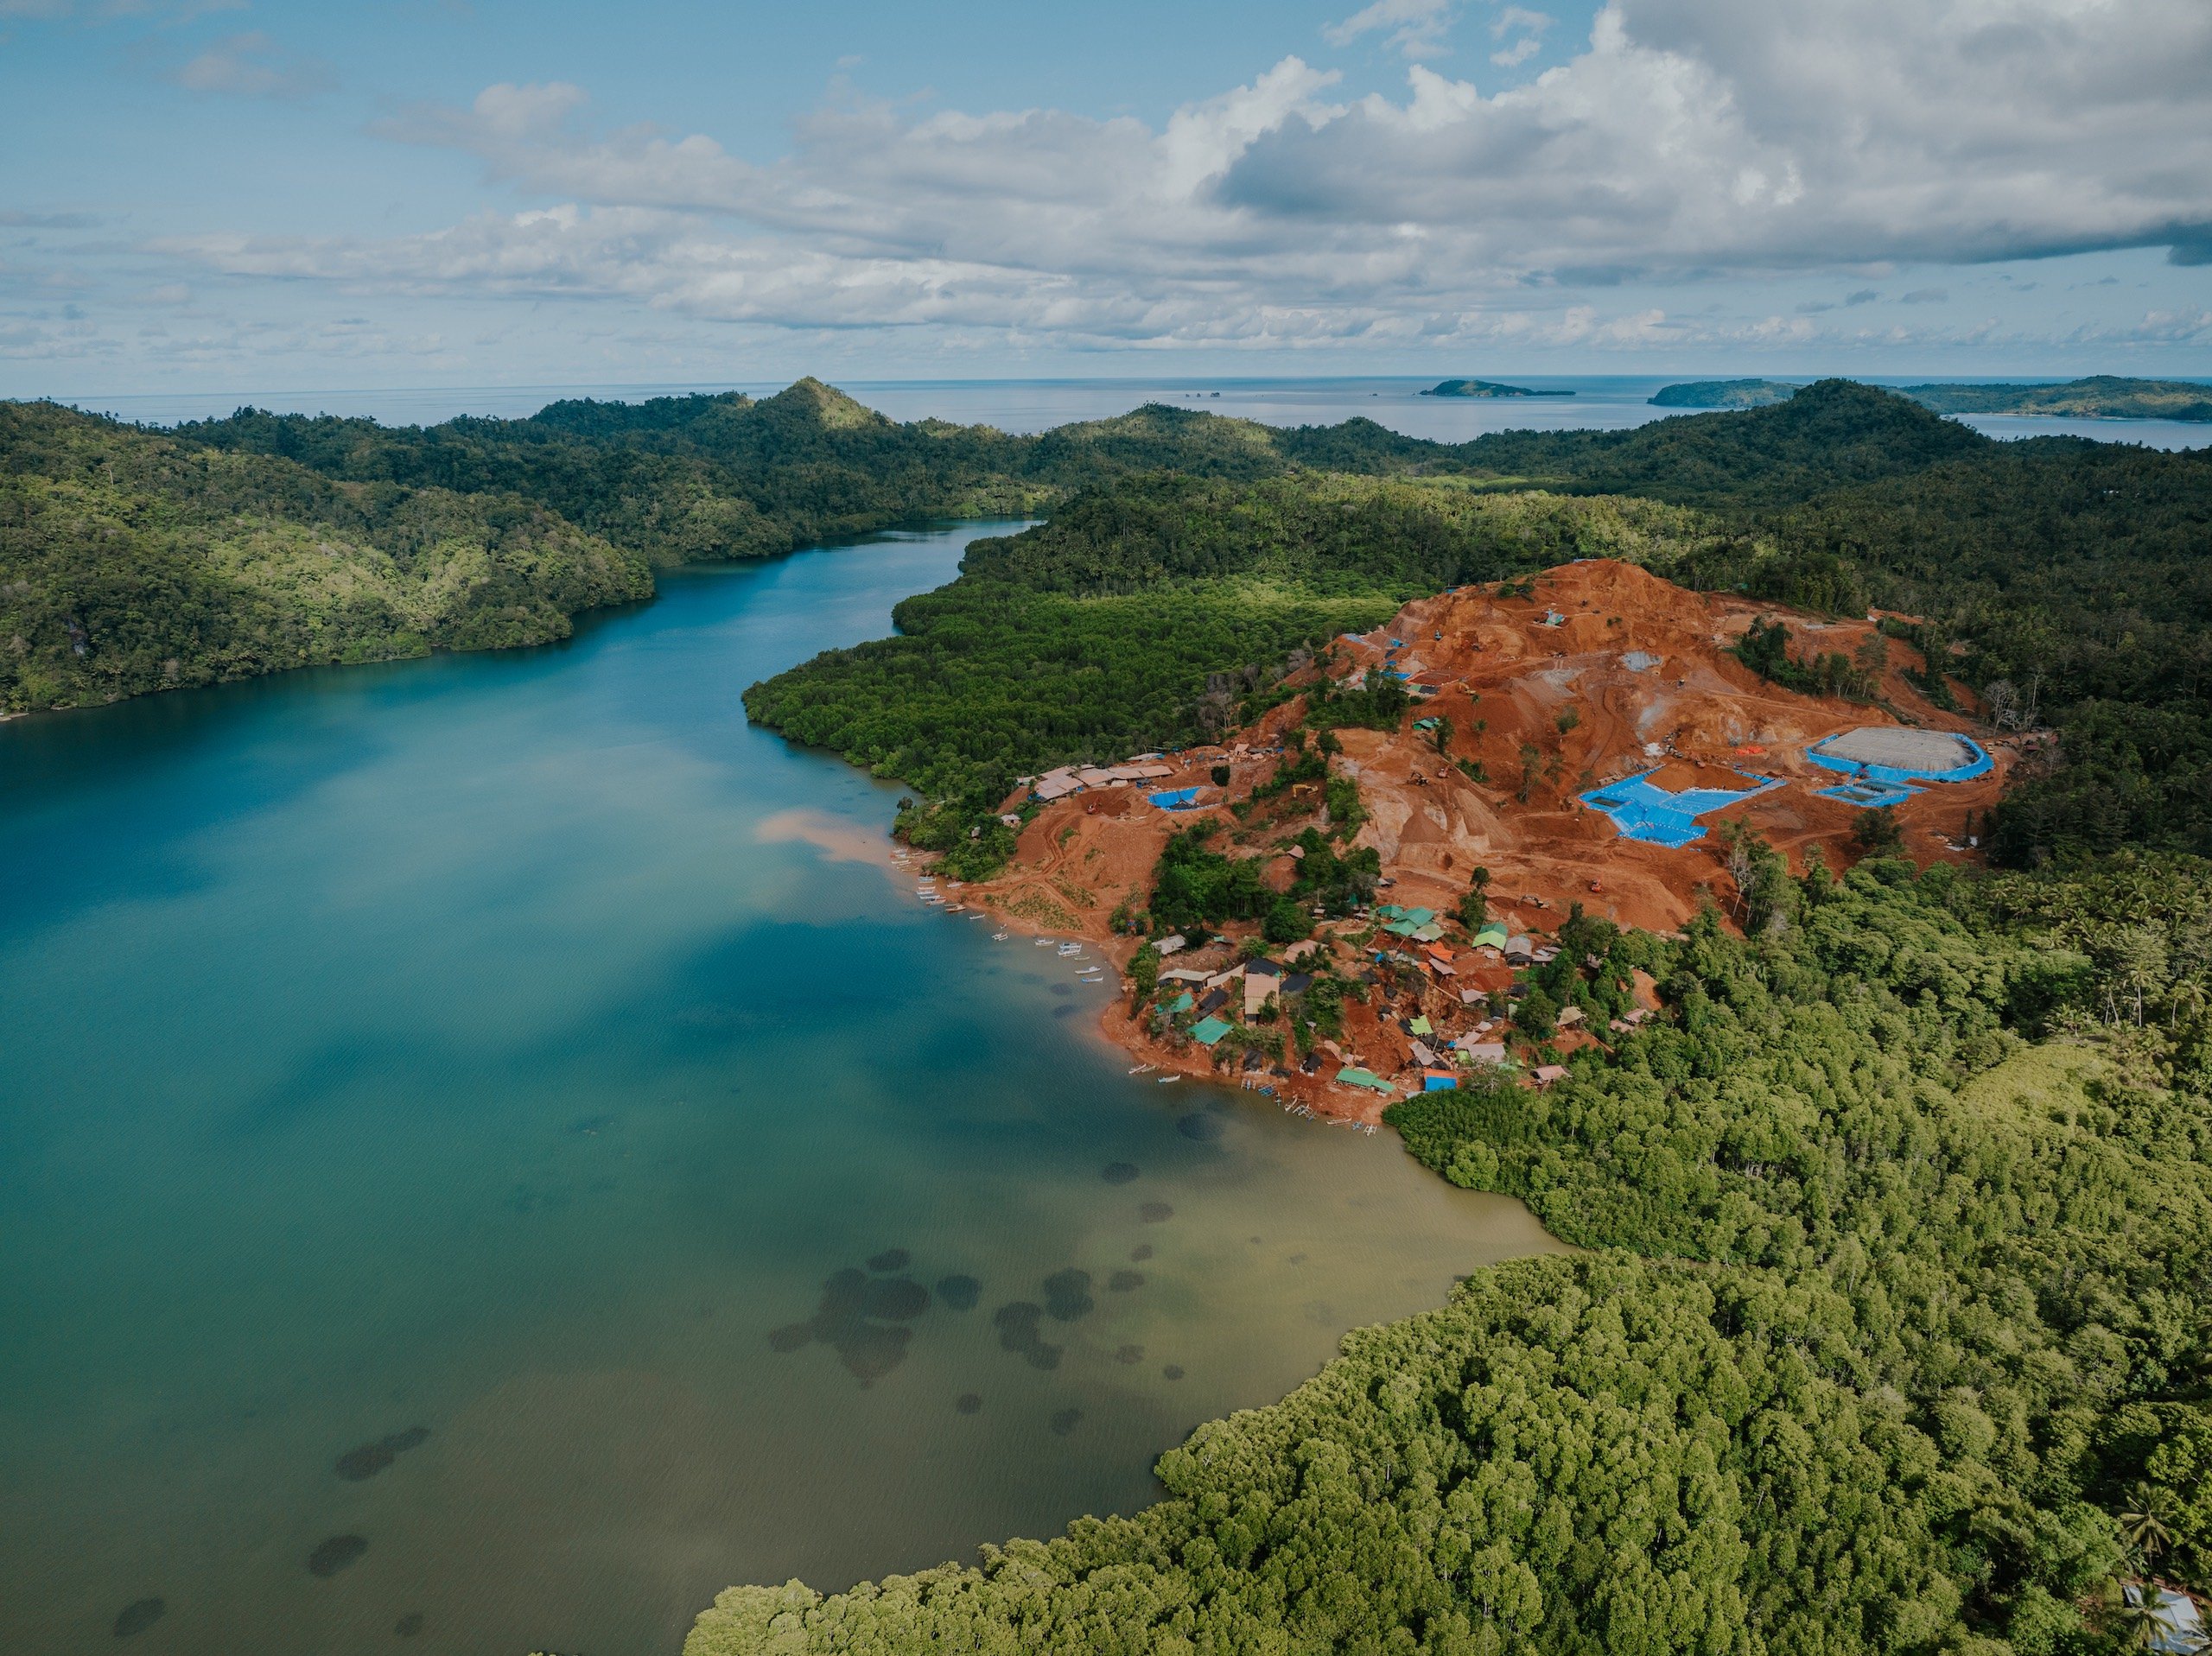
(1484,388)
(1725,393)
(2102,397)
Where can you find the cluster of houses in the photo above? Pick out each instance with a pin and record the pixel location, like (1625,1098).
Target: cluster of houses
(1211,996)
(1208,992)
(1074,778)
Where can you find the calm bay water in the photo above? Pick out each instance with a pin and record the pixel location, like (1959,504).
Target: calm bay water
(512,1047)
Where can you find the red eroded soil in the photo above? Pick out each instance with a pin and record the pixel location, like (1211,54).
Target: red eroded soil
(1604,672)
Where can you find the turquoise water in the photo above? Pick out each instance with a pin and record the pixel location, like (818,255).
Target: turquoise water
(511,1047)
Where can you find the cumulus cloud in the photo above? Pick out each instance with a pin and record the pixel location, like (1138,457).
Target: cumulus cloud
(1688,139)
(251,65)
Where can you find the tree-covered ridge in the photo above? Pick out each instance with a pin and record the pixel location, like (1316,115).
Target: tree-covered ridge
(1138,615)
(675,479)
(130,562)
(2100,396)
(1481,388)
(1835,434)
(1896,1313)
(723,476)
(687,479)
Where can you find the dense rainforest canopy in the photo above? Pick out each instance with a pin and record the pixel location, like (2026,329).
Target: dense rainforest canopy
(131,563)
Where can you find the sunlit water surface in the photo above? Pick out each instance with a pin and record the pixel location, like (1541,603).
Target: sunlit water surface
(434,1097)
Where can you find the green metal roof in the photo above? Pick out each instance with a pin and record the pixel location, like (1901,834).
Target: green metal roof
(1352,1076)
(1208,1030)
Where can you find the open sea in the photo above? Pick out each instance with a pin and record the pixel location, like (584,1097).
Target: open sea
(490,1154)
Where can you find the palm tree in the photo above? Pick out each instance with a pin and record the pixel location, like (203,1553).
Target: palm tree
(2139,1618)
(2144,1527)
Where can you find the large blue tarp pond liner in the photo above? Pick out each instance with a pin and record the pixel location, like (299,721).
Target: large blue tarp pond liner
(1652,815)
(1900,754)
(1175,799)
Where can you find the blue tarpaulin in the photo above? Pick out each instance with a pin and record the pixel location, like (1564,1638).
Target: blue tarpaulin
(1652,815)
(1175,799)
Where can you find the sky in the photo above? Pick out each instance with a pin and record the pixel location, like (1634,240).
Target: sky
(218,194)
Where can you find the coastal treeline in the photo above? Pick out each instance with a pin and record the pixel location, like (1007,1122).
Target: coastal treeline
(2099,396)
(131,563)
(1891,1324)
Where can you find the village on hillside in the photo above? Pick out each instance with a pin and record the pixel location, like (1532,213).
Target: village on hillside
(1557,766)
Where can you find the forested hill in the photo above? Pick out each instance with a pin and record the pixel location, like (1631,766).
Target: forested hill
(675,479)
(604,487)
(1829,436)
(130,561)
(2100,396)
(680,479)
(2067,582)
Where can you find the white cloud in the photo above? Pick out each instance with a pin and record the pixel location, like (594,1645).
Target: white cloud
(1529,25)
(251,65)
(1415,28)
(1688,141)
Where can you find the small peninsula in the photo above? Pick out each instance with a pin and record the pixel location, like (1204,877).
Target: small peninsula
(2100,396)
(1489,388)
(1724,394)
